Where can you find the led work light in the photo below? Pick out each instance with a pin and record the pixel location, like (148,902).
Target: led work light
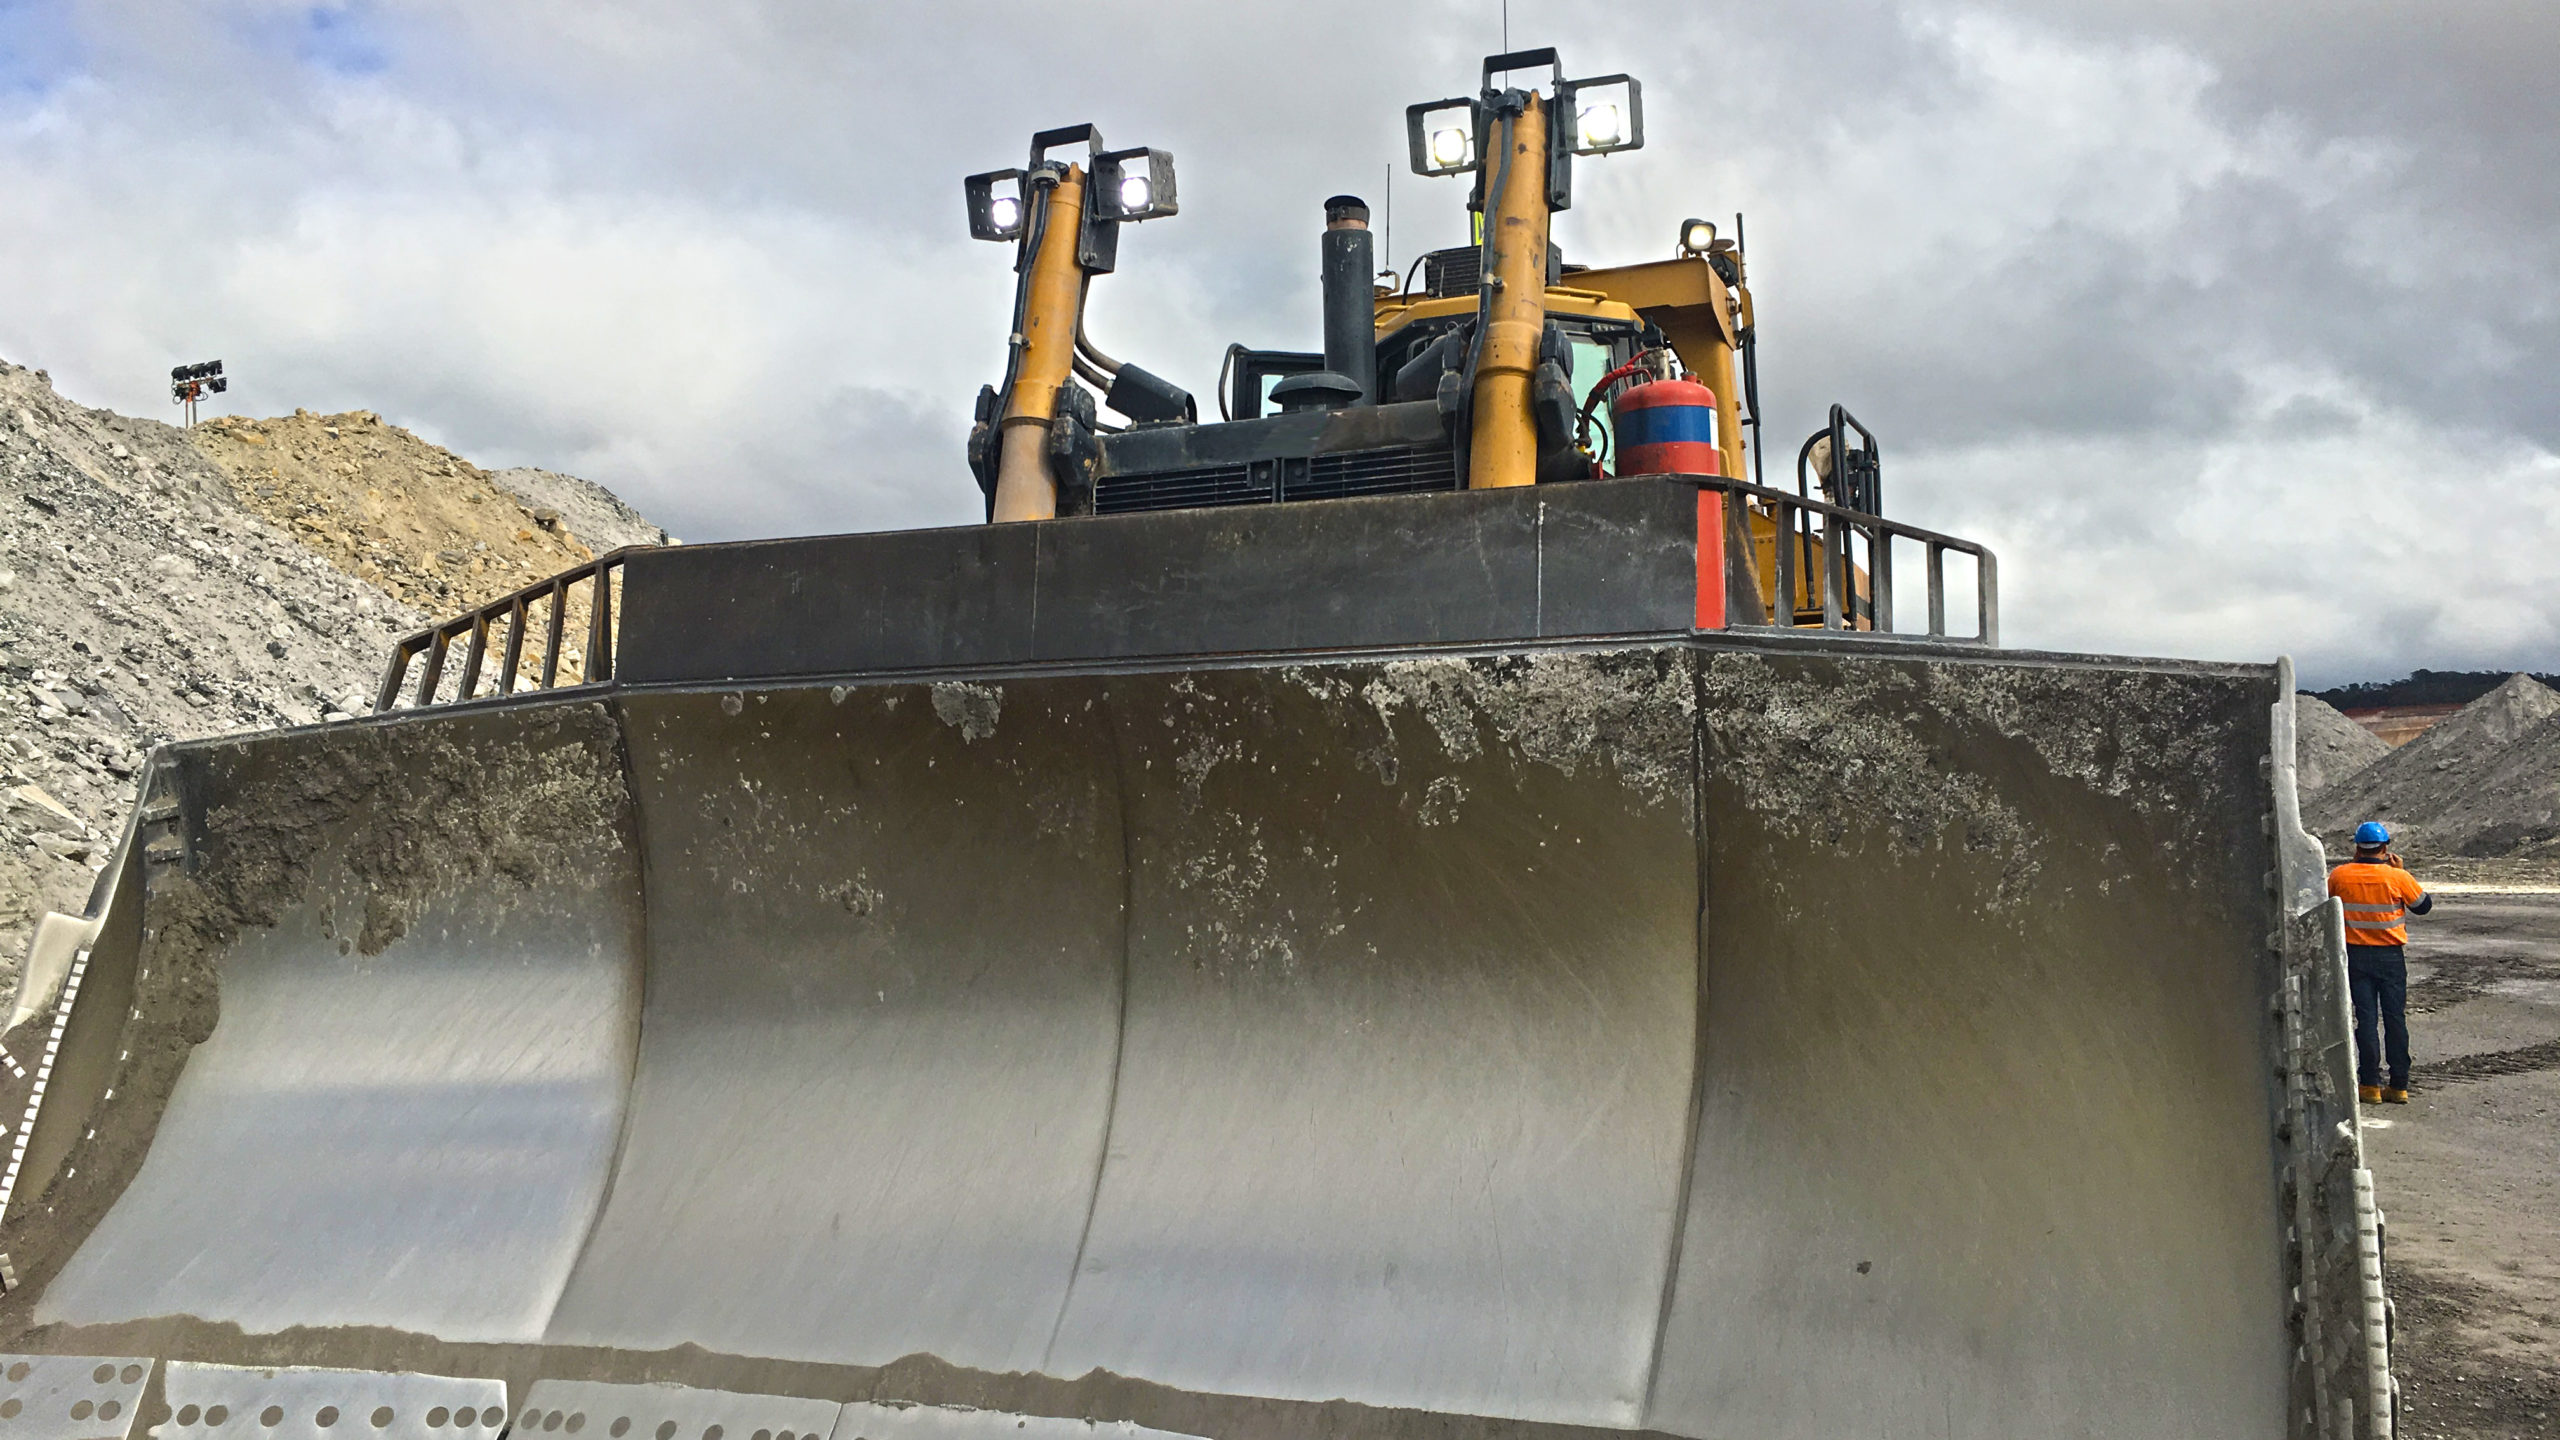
(1442,136)
(1122,191)
(1119,185)
(1608,113)
(1598,116)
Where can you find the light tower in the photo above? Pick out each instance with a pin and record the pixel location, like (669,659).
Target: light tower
(190,383)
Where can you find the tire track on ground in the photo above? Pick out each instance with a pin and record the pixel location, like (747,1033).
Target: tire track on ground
(2489,1064)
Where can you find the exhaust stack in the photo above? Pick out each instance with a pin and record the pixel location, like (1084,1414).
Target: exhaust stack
(1350,316)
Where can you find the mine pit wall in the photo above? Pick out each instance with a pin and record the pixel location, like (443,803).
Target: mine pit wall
(1711,1039)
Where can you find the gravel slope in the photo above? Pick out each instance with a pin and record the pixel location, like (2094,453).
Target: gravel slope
(158,583)
(2327,746)
(139,602)
(2464,788)
(425,525)
(595,514)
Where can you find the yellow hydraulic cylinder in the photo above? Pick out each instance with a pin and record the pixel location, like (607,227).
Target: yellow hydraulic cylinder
(1025,488)
(1503,449)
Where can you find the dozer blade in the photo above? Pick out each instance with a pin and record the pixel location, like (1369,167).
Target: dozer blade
(1708,1036)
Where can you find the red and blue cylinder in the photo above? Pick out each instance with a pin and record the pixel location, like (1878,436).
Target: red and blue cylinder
(1668,427)
(1665,427)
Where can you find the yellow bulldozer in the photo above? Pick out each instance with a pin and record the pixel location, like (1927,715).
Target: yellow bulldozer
(1427,906)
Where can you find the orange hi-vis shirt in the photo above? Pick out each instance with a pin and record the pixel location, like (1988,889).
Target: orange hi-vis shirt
(2377,898)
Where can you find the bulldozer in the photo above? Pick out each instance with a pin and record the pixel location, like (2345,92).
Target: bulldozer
(1428,906)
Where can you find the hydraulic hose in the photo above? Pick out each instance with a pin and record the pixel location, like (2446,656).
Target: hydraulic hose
(1035,224)
(1484,259)
(1085,348)
(1600,392)
(1227,367)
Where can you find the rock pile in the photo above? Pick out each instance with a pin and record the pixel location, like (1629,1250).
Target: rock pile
(595,514)
(2327,746)
(2483,783)
(426,526)
(139,603)
(158,584)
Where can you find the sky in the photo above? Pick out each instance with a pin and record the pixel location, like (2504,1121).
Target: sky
(2233,330)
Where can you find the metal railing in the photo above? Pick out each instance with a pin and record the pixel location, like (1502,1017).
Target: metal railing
(589,586)
(1846,546)
(1835,540)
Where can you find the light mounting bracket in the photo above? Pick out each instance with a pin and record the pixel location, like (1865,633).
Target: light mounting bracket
(1601,115)
(1000,213)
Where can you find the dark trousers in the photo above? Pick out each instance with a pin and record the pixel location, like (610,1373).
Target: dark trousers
(2378,978)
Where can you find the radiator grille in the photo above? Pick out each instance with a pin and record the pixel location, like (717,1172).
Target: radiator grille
(1452,272)
(1322,477)
(1375,472)
(1185,489)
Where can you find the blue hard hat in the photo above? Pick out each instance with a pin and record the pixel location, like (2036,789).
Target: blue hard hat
(2372,833)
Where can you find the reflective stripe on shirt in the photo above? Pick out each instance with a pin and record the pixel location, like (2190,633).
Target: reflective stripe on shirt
(2376,899)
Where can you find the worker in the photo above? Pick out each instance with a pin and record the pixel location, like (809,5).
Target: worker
(2380,896)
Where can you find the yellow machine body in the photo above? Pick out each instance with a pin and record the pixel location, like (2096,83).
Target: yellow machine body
(1703,319)
(1025,488)
(1504,449)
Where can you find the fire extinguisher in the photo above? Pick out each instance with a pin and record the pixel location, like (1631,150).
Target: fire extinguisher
(1666,427)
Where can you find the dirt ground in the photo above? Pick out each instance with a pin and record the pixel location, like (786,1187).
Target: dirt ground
(2469,1171)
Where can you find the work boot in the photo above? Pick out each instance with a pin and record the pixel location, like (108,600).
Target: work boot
(2369,1094)
(2395,1094)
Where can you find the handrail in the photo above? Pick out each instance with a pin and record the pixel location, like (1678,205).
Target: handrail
(593,581)
(1839,525)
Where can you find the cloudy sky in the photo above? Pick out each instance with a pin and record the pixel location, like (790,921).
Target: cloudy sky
(2234,329)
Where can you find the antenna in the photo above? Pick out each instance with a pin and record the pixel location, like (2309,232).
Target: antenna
(1750,370)
(1388,240)
(1506,27)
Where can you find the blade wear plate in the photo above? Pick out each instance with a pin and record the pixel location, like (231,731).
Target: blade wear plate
(592,1410)
(1412,972)
(71,1397)
(306,1404)
(1976,1065)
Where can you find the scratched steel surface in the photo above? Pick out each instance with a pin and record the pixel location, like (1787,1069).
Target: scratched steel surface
(1333,1030)
(1401,1051)
(862,1420)
(1408,1055)
(592,1410)
(1985,1140)
(416,1138)
(883,995)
